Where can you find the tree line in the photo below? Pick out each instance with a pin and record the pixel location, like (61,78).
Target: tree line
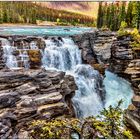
(110,15)
(30,12)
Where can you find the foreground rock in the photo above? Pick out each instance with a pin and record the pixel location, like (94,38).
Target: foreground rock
(34,94)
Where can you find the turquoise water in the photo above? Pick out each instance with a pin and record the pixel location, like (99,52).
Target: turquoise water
(45,30)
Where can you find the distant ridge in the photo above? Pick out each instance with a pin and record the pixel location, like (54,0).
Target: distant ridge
(86,8)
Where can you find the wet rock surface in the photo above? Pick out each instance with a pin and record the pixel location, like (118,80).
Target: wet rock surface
(85,42)
(33,94)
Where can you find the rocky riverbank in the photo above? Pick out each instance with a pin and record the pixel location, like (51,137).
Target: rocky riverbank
(34,94)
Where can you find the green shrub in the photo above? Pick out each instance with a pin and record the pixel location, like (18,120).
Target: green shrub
(107,125)
(134,34)
(122,31)
(123,24)
(136,37)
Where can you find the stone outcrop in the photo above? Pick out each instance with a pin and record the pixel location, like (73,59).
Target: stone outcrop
(125,61)
(33,94)
(85,42)
(96,48)
(102,45)
(121,54)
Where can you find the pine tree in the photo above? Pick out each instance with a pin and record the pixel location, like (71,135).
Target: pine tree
(108,17)
(100,16)
(116,17)
(104,15)
(134,14)
(122,12)
(112,17)
(138,15)
(129,15)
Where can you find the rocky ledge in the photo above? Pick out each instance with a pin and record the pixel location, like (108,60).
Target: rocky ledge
(33,94)
(125,61)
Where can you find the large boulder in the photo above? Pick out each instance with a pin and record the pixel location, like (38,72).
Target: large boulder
(33,94)
(34,58)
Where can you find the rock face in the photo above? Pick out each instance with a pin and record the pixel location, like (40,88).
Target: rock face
(121,54)
(102,45)
(85,42)
(125,61)
(95,48)
(34,94)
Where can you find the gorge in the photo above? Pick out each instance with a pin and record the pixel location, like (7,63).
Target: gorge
(47,75)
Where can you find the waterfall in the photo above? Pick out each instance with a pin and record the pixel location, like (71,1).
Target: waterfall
(9,58)
(14,61)
(63,54)
(116,89)
(87,99)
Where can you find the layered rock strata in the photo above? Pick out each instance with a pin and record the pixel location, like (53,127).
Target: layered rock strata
(125,61)
(31,95)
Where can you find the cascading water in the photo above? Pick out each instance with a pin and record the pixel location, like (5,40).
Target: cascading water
(8,56)
(87,99)
(63,54)
(22,59)
(116,89)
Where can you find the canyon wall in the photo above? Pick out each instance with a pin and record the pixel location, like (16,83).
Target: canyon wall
(101,49)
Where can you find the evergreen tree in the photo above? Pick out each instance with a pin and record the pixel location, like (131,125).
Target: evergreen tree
(108,17)
(112,17)
(122,12)
(138,15)
(129,16)
(105,15)
(134,14)
(100,16)
(116,17)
